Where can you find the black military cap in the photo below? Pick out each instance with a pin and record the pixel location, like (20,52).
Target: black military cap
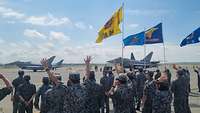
(151,73)
(180,72)
(21,72)
(92,75)
(140,69)
(122,78)
(74,76)
(27,78)
(45,80)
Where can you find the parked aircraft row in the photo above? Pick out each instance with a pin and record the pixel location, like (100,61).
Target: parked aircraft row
(133,63)
(36,67)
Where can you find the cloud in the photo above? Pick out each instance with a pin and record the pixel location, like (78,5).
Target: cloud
(48,20)
(10,13)
(100,53)
(32,33)
(83,26)
(14,16)
(53,37)
(58,36)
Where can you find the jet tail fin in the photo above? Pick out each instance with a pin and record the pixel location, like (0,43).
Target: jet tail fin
(59,63)
(50,60)
(132,56)
(148,57)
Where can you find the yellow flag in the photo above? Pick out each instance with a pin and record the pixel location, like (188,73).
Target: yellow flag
(111,27)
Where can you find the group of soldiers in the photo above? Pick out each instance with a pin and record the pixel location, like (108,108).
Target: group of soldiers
(130,91)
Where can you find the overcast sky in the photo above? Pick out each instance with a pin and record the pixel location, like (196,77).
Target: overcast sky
(33,29)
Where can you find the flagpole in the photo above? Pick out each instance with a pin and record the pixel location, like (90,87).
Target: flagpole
(144,56)
(123,36)
(144,50)
(164,54)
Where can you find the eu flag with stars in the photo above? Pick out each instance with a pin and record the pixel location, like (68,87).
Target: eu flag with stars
(136,39)
(154,35)
(191,38)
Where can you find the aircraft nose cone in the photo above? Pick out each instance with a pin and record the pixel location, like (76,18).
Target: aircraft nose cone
(110,61)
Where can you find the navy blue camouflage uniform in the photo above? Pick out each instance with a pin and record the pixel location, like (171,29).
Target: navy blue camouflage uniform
(122,97)
(162,102)
(76,96)
(95,96)
(180,91)
(75,99)
(149,92)
(106,81)
(26,91)
(16,82)
(140,81)
(41,93)
(132,85)
(54,99)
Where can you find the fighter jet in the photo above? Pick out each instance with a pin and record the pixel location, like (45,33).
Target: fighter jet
(35,67)
(133,63)
(57,65)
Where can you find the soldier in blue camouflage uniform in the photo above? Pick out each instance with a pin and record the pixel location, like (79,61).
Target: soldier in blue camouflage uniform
(121,95)
(132,84)
(76,97)
(26,93)
(95,91)
(162,99)
(65,99)
(95,94)
(41,92)
(6,90)
(106,81)
(149,89)
(54,97)
(140,81)
(169,75)
(16,82)
(180,90)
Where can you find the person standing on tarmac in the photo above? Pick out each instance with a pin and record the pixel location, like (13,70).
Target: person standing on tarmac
(106,82)
(140,81)
(26,93)
(16,82)
(121,95)
(180,91)
(41,93)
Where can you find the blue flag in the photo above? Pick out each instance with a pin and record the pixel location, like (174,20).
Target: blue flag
(191,38)
(136,39)
(154,35)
